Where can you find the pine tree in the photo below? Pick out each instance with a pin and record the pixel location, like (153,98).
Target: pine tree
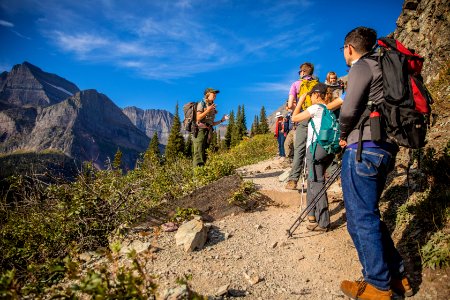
(228,133)
(254,129)
(263,123)
(243,122)
(117,160)
(236,134)
(154,145)
(175,144)
(213,145)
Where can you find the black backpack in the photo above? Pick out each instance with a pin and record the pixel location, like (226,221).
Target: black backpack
(190,116)
(405,109)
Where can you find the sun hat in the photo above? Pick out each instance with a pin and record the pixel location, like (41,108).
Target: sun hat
(278,115)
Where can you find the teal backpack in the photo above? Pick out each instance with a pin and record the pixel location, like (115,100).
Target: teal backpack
(328,135)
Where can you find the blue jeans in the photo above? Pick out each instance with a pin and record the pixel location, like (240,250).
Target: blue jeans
(281,138)
(362,185)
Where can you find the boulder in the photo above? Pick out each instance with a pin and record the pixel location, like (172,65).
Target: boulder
(192,235)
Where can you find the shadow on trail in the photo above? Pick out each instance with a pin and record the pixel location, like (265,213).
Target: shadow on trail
(263,175)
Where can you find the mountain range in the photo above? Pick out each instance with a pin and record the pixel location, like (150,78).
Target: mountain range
(43,111)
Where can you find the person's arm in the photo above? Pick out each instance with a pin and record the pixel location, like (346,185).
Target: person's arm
(202,114)
(218,122)
(292,96)
(298,116)
(359,79)
(291,102)
(335,104)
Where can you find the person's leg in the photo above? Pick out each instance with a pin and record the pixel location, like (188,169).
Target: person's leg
(316,181)
(289,144)
(198,143)
(205,145)
(301,134)
(362,183)
(281,143)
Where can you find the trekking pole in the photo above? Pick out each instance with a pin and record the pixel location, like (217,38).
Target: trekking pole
(303,183)
(313,203)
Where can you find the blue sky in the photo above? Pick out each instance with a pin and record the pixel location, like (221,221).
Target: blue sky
(153,54)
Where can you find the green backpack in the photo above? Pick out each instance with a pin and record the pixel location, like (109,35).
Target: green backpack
(328,135)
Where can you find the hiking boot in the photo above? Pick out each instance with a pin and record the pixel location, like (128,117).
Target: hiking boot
(291,185)
(401,287)
(364,291)
(314,226)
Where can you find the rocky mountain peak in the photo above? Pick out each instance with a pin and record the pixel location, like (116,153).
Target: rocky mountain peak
(28,85)
(151,121)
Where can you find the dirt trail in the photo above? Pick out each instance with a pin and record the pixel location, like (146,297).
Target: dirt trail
(250,252)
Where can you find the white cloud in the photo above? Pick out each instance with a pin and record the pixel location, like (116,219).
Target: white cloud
(6,23)
(80,44)
(168,40)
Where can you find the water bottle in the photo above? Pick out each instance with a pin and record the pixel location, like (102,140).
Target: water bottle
(375,126)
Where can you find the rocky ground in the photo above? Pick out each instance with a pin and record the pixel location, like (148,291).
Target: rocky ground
(248,254)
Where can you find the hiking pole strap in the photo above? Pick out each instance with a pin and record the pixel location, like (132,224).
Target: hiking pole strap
(360,142)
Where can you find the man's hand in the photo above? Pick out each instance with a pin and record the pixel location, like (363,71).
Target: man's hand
(342,143)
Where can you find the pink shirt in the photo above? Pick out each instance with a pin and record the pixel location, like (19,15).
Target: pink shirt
(295,87)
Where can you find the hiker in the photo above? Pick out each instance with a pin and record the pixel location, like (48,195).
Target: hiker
(206,112)
(335,86)
(317,158)
(305,73)
(363,181)
(289,141)
(280,132)
(334,101)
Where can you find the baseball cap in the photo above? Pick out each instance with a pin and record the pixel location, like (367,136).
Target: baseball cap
(210,90)
(318,88)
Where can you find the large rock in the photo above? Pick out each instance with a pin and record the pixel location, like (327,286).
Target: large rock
(424,25)
(192,235)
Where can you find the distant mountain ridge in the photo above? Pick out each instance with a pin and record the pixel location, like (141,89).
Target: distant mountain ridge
(150,121)
(42,111)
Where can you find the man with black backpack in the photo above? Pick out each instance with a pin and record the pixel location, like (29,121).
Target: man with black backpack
(364,173)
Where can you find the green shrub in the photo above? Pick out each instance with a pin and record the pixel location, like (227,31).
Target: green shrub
(44,223)
(436,252)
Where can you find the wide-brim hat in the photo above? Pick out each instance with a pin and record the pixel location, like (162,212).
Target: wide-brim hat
(278,115)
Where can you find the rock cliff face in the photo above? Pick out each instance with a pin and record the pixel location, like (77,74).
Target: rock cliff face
(28,85)
(424,25)
(42,111)
(150,121)
(90,127)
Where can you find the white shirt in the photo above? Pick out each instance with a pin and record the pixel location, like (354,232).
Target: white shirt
(316,112)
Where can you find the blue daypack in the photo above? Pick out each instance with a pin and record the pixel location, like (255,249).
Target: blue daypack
(328,135)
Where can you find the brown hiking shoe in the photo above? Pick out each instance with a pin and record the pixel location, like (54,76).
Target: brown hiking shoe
(402,287)
(364,291)
(291,185)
